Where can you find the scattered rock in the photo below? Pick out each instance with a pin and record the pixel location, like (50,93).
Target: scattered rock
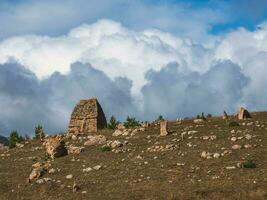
(203,154)
(248,136)
(52,171)
(88,169)
(216,155)
(233,139)
(120,126)
(95,140)
(247,146)
(75,188)
(117,133)
(19,145)
(70,176)
(236,146)
(97,167)
(198,121)
(75,150)
(231,167)
(114,144)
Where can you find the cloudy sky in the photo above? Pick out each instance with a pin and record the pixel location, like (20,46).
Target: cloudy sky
(140,58)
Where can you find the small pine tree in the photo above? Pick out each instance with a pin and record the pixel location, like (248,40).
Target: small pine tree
(160,118)
(14,138)
(209,115)
(131,122)
(203,116)
(27,137)
(39,132)
(113,123)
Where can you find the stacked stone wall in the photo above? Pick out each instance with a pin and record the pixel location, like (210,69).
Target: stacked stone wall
(87,117)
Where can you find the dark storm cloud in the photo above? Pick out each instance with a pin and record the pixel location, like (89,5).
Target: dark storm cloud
(176,94)
(25,101)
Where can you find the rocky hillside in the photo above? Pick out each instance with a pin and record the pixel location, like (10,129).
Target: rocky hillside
(215,159)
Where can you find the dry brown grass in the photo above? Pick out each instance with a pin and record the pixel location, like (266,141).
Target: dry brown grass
(119,179)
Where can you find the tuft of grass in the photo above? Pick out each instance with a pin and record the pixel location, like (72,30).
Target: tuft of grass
(233,124)
(249,164)
(105,148)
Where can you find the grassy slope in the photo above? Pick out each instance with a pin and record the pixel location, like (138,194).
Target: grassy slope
(124,176)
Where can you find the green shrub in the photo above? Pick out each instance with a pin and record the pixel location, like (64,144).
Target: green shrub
(160,118)
(233,124)
(46,157)
(202,116)
(14,138)
(131,122)
(249,164)
(39,132)
(209,115)
(113,123)
(105,148)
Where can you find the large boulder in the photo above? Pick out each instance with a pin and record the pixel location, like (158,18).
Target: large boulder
(243,114)
(55,147)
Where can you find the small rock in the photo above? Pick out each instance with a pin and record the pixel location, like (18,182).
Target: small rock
(75,188)
(216,155)
(51,171)
(117,133)
(236,146)
(248,136)
(198,120)
(233,139)
(231,167)
(88,169)
(247,146)
(47,179)
(40,181)
(95,140)
(232,131)
(70,176)
(203,154)
(97,167)
(120,126)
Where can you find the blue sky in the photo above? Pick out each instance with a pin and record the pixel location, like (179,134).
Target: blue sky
(55,18)
(139,58)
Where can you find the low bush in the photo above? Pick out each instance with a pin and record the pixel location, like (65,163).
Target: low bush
(249,164)
(105,148)
(233,124)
